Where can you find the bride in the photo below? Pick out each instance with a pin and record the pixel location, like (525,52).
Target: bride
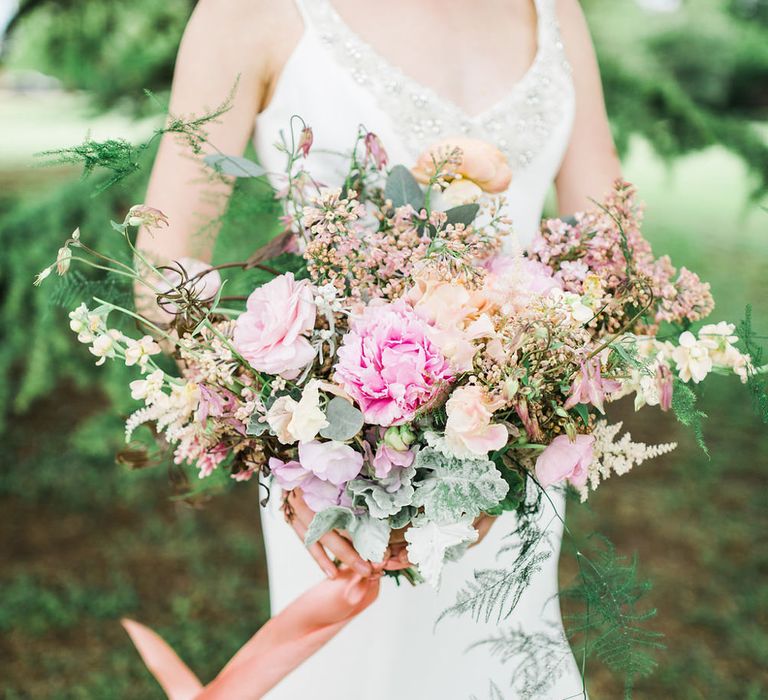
(520,74)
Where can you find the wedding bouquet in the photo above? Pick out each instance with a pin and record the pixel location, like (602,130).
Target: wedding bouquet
(407,367)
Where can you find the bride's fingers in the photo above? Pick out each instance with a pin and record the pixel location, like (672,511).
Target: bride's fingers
(341,548)
(316,551)
(346,553)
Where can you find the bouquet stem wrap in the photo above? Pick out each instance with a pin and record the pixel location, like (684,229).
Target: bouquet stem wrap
(280,646)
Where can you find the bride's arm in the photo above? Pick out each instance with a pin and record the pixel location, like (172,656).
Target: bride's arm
(591,164)
(224,43)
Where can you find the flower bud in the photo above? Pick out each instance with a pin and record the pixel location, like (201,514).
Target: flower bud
(393,438)
(374,149)
(407,435)
(511,386)
(41,276)
(63,260)
(305,141)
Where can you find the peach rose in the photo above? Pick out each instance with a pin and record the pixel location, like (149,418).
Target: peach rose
(469,431)
(479,162)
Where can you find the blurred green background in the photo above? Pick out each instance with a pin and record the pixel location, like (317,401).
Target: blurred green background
(86,541)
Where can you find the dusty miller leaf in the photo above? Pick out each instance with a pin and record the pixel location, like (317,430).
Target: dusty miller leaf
(333,518)
(457,487)
(370,537)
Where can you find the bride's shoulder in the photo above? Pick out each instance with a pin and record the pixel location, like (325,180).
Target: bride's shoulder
(234,29)
(575,33)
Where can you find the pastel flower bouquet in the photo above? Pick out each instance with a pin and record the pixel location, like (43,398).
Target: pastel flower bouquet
(414,370)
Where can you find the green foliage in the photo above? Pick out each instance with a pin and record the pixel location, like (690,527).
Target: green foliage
(610,625)
(493,594)
(369,535)
(684,406)
(112,50)
(756,382)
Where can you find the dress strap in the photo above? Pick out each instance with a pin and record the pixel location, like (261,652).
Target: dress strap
(550,38)
(301,6)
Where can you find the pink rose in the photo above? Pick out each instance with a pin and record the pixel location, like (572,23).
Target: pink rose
(468,431)
(480,162)
(270,334)
(566,459)
(331,461)
(388,364)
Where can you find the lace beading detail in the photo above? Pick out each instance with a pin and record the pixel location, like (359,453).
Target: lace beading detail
(520,124)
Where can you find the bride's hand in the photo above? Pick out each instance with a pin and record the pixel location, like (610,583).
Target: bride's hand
(300,515)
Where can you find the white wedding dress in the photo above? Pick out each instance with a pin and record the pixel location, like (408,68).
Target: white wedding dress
(336,82)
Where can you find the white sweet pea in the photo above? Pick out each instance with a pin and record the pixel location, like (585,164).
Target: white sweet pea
(692,358)
(429,542)
(307,418)
(719,339)
(87,324)
(106,345)
(278,418)
(138,352)
(148,389)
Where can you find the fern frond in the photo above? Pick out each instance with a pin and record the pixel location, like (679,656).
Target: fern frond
(756,383)
(684,407)
(494,593)
(74,288)
(611,627)
(539,659)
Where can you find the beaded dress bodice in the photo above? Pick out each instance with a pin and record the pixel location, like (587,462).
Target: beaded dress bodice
(336,81)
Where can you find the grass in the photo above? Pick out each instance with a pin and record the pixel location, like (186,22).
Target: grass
(87,542)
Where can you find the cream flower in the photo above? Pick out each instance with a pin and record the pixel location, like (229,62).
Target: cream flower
(307,418)
(692,358)
(279,416)
(106,345)
(138,352)
(148,389)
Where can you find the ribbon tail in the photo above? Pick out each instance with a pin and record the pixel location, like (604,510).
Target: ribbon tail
(173,675)
(280,646)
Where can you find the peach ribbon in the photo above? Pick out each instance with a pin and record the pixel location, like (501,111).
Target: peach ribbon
(282,644)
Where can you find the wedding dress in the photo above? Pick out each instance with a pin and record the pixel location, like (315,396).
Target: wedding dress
(335,82)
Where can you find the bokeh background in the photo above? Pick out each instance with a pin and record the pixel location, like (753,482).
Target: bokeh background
(86,541)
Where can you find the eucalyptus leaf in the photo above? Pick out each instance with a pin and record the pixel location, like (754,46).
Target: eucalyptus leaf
(402,188)
(463,214)
(344,420)
(235,166)
(333,518)
(455,488)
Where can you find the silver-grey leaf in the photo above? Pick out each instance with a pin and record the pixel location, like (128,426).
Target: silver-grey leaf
(333,518)
(455,487)
(370,537)
(344,420)
(236,166)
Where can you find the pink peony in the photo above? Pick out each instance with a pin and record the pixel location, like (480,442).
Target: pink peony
(270,334)
(566,459)
(331,461)
(388,364)
(469,431)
